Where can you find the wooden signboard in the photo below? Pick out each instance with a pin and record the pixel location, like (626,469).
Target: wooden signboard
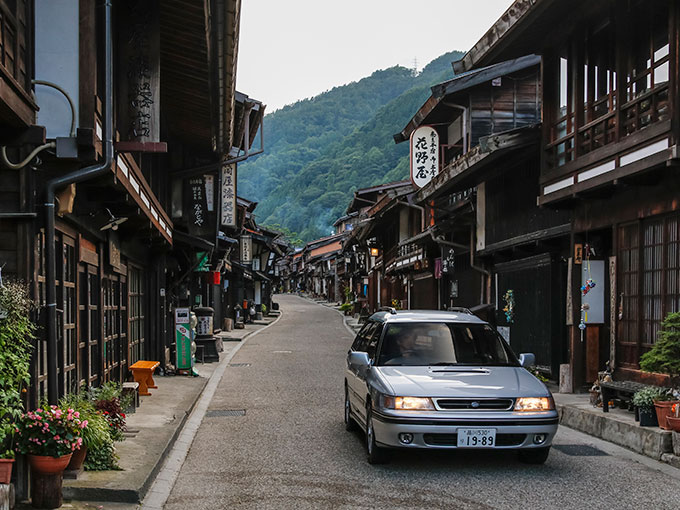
(138,71)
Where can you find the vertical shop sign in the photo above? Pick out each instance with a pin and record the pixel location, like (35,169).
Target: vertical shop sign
(228,193)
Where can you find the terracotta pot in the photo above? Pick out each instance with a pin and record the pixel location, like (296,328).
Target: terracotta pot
(663,410)
(77,459)
(46,465)
(673,423)
(6,470)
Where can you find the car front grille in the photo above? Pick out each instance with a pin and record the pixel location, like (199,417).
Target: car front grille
(471,404)
(452,439)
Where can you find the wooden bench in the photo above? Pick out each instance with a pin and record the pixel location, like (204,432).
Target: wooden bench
(619,389)
(142,371)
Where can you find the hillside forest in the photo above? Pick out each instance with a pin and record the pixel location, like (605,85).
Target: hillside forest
(318,151)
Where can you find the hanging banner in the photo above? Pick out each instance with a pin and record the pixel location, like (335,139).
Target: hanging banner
(424,155)
(228,193)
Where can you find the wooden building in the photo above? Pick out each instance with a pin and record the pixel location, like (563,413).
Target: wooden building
(608,156)
(96,217)
(494,245)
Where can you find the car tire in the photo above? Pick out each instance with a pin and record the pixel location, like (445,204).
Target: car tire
(374,453)
(534,455)
(350,424)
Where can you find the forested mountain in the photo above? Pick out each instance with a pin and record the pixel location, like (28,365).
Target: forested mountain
(319,150)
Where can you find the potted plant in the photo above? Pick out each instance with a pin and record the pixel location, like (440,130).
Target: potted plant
(16,332)
(643,400)
(346,308)
(664,358)
(49,436)
(673,419)
(96,435)
(6,452)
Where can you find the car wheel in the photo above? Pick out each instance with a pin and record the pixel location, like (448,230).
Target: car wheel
(375,454)
(534,455)
(350,424)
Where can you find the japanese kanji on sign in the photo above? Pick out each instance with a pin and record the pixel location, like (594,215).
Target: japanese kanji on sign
(424,155)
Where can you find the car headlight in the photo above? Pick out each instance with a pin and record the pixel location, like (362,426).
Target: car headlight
(408,403)
(534,404)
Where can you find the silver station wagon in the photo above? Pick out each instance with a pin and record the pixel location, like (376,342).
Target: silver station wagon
(444,380)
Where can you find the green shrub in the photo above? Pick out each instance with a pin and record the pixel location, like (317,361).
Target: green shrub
(97,435)
(346,307)
(16,333)
(645,397)
(664,357)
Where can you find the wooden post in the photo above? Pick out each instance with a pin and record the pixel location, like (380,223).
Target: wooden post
(592,352)
(46,490)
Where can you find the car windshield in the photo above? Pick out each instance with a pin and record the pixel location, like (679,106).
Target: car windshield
(438,343)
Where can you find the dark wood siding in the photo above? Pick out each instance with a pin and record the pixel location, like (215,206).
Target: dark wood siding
(512,104)
(511,209)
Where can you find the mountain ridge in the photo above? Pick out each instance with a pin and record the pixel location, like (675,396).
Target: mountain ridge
(319,150)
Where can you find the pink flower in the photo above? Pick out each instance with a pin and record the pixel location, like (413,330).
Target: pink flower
(76,414)
(83,424)
(58,413)
(56,437)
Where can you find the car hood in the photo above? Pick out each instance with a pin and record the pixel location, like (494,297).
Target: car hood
(473,382)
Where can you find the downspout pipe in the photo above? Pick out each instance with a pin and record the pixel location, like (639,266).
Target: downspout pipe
(76,176)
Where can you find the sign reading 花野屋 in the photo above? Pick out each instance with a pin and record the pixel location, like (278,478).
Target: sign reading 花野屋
(424,155)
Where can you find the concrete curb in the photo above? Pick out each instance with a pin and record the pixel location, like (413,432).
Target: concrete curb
(167,475)
(643,440)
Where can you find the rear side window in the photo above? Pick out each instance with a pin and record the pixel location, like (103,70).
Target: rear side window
(361,341)
(373,340)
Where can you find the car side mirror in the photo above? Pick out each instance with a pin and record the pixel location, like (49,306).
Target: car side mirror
(359,361)
(527,359)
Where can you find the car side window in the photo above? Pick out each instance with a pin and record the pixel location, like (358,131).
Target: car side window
(373,340)
(362,338)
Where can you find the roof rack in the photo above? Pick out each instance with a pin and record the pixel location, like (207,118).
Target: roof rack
(390,309)
(460,309)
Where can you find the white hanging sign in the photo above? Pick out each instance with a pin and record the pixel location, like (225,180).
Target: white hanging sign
(424,155)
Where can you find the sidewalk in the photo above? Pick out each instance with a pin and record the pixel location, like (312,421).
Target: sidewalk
(153,430)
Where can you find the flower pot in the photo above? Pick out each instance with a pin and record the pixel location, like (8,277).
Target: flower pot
(673,423)
(663,409)
(77,459)
(46,465)
(6,470)
(647,417)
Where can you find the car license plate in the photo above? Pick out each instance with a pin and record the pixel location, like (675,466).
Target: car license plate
(476,438)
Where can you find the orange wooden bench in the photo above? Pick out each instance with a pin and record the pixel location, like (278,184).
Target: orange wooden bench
(142,371)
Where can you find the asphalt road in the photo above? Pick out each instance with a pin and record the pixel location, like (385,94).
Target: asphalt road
(290,449)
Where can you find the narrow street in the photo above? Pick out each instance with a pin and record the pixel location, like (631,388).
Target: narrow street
(290,449)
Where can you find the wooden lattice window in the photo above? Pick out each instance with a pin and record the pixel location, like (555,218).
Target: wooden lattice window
(648,282)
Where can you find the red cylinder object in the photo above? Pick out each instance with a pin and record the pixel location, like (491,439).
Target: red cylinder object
(216,277)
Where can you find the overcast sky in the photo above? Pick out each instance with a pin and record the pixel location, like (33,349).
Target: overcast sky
(294,49)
